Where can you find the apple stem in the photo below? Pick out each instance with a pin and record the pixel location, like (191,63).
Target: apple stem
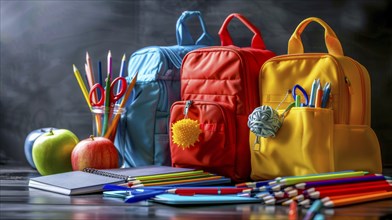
(51,131)
(92,137)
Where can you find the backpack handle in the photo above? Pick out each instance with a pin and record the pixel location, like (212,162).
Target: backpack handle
(257,40)
(183,35)
(331,40)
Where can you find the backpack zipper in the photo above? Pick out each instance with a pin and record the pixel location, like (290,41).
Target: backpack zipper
(363,88)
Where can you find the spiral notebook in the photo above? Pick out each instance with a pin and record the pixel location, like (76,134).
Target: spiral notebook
(92,180)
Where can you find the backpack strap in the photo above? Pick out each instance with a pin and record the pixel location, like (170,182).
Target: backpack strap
(183,35)
(257,40)
(331,40)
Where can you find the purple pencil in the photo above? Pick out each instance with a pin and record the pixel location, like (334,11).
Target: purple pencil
(370,177)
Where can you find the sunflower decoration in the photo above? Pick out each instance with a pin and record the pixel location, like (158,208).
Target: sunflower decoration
(186,132)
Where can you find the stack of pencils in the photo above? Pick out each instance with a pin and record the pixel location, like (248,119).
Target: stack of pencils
(317,191)
(332,189)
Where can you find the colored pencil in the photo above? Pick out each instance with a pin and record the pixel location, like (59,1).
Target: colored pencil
(369,177)
(289,194)
(293,211)
(316,206)
(304,202)
(122,105)
(162,183)
(208,190)
(121,74)
(358,199)
(109,65)
(90,74)
(319,96)
(335,192)
(328,198)
(254,184)
(169,175)
(81,85)
(295,180)
(137,182)
(349,185)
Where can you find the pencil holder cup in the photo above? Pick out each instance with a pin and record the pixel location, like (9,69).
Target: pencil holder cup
(106,123)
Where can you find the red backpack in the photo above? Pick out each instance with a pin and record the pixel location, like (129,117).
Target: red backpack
(219,89)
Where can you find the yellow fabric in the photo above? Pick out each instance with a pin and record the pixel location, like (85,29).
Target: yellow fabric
(314,140)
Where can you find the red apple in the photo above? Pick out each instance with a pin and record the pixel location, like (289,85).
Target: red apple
(94,152)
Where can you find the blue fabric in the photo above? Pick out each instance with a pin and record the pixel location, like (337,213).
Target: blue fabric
(145,127)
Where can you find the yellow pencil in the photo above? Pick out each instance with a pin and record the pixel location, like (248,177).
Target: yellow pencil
(81,85)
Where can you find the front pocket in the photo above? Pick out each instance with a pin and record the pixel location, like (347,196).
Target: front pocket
(356,148)
(303,145)
(216,144)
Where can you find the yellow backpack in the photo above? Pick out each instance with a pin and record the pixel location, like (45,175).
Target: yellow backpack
(334,137)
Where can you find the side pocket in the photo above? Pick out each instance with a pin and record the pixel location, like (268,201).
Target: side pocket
(215,150)
(162,150)
(356,148)
(303,145)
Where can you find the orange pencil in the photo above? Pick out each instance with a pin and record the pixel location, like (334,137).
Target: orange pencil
(329,198)
(358,199)
(319,97)
(122,104)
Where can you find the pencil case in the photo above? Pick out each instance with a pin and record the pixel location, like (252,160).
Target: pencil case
(309,142)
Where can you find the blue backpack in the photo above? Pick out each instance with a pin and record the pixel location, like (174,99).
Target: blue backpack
(145,127)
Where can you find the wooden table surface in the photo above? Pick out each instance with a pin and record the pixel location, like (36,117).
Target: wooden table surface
(18,201)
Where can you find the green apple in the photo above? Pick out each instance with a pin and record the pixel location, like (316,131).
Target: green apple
(52,151)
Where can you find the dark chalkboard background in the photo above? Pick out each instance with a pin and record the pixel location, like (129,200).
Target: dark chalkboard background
(41,39)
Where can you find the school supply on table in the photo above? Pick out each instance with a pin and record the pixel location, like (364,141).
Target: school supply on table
(335,134)
(145,127)
(345,190)
(366,178)
(357,199)
(172,199)
(218,91)
(312,211)
(92,180)
(109,98)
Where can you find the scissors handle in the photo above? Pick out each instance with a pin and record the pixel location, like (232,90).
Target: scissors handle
(115,96)
(93,95)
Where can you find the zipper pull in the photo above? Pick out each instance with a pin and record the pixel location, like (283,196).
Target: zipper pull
(348,83)
(186,109)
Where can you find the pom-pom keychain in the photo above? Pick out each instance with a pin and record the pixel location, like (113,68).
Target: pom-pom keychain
(186,131)
(265,121)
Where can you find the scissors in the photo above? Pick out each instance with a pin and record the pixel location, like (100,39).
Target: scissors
(114,96)
(294,93)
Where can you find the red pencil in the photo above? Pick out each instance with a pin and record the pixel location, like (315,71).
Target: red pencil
(208,190)
(293,212)
(335,192)
(349,185)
